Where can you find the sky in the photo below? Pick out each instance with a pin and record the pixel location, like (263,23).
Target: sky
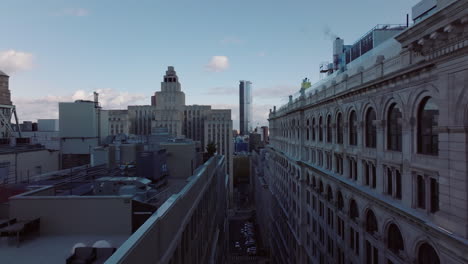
(64,50)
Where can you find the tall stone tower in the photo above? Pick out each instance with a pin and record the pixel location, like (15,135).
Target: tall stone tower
(169,104)
(171,95)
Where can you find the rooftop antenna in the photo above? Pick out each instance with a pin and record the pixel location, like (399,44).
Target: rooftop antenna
(96,99)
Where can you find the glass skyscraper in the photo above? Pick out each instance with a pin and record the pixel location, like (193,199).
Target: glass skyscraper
(245,107)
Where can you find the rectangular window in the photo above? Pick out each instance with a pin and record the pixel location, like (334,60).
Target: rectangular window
(354,170)
(330,246)
(350,168)
(321,235)
(354,240)
(372,254)
(321,210)
(398,184)
(341,258)
(342,228)
(421,186)
(314,203)
(434,195)
(389,182)
(366,173)
(374,176)
(339,164)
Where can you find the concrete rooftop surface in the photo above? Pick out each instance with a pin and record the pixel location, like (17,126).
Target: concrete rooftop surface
(49,249)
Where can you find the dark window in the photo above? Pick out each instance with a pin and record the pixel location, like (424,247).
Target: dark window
(389,182)
(398,184)
(329,194)
(428,138)
(372,254)
(339,129)
(307,129)
(353,128)
(427,255)
(374,176)
(329,129)
(395,240)
(371,222)
(371,129)
(434,195)
(320,129)
(421,192)
(394,128)
(353,210)
(313,129)
(340,202)
(366,173)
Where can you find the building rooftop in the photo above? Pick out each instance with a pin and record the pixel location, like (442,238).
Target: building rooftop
(7,149)
(51,249)
(3,74)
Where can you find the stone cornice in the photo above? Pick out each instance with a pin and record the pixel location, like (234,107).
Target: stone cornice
(450,14)
(404,73)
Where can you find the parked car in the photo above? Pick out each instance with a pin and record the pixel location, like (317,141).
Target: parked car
(252,250)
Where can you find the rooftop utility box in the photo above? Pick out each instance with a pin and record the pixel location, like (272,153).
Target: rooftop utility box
(152,164)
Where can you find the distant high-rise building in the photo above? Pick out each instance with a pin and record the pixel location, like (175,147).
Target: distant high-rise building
(245,107)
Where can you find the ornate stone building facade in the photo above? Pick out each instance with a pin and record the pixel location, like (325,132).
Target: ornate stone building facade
(370,166)
(118,122)
(197,122)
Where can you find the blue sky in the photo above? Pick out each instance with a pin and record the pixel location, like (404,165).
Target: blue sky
(63,50)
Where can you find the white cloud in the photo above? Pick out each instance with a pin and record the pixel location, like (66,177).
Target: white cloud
(30,109)
(12,61)
(77,12)
(261,54)
(218,64)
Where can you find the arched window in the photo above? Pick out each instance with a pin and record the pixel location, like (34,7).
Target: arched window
(428,117)
(329,194)
(340,202)
(329,129)
(395,239)
(371,222)
(353,210)
(353,128)
(320,187)
(427,255)
(320,129)
(394,128)
(313,182)
(313,129)
(307,130)
(371,129)
(339,129)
